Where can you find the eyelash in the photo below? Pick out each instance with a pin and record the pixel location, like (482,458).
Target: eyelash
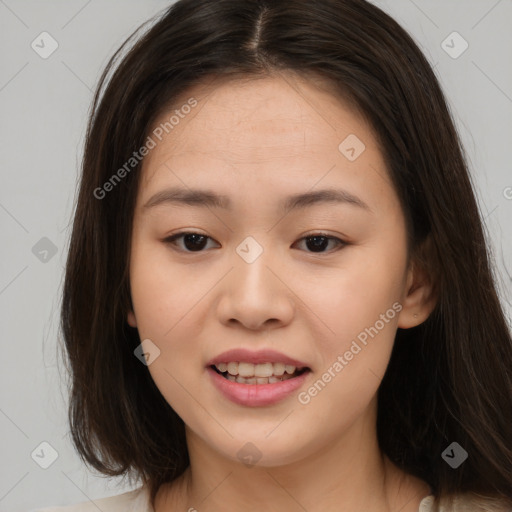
(341,243)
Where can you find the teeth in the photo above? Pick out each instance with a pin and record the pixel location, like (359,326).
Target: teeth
(278,369)
(258,380)
(248,370)
(263,373)
(232,368)
(289,368)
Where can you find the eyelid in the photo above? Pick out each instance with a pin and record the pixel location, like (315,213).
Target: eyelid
(170,239)
(341,242)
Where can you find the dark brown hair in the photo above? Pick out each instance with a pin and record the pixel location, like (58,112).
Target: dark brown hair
(449,379)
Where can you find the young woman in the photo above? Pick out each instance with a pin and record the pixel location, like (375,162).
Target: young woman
(278,293)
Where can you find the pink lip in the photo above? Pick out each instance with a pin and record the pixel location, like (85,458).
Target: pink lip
(254,395)
(255,357)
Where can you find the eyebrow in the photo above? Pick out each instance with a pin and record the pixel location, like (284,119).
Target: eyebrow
(209,199)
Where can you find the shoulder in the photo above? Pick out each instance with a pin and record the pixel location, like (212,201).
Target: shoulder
(136,500)
(467,503)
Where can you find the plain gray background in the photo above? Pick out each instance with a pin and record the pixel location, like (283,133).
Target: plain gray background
(44,104)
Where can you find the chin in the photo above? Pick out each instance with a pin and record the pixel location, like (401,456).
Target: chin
(258,449)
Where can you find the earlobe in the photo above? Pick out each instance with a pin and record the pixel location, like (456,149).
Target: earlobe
(132,321)
(419,300)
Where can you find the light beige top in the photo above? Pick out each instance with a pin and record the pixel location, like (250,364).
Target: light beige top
(138,501)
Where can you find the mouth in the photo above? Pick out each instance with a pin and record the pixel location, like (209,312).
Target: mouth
(258,374)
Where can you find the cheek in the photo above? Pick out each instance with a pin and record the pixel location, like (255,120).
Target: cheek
(359,304)
(352,296)
(354,357)
(162,293)
(169,309)
(166,304)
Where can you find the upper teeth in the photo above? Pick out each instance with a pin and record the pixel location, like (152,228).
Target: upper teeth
(256,370)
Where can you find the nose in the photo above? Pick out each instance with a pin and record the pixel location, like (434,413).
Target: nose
(256,295)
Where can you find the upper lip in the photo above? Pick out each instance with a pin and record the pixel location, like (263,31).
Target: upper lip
(255,357)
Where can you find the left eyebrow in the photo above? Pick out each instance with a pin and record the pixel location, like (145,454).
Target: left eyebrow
(208,199)
(338,196)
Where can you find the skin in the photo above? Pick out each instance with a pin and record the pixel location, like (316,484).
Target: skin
(258,141)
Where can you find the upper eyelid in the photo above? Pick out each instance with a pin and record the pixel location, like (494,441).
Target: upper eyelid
(315,233)
(175,236)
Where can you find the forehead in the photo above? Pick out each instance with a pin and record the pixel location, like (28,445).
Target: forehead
(278,132)
(283,112)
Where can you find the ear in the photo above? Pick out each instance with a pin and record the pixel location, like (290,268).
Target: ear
(420,299)
(132,321)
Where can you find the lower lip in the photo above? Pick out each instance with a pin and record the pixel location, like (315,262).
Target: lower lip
(254,395)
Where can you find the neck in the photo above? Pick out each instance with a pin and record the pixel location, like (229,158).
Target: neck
(345,474)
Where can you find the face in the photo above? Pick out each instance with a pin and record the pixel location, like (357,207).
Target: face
(323,281)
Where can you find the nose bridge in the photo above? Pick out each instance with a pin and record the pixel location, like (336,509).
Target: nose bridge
(251,264)
(253,293)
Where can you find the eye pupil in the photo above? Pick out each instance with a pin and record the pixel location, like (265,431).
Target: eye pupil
(194,237)
(319,242)
(196,242)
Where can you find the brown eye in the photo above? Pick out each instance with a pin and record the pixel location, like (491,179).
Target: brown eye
(193,242)
(196,242)
(318,242)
